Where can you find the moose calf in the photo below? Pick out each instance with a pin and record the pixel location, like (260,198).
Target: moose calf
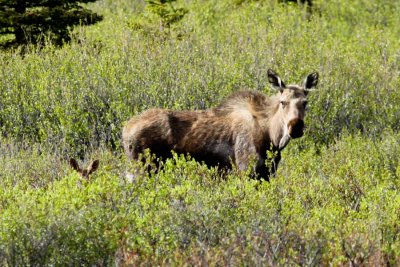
(92,167)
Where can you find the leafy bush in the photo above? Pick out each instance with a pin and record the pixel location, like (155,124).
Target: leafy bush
(338,205)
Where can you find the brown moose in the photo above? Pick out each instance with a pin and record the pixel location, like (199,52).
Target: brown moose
(242,128)
(92,167)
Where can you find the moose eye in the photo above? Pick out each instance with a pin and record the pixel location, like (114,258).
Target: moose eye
(284,103)
(305,104)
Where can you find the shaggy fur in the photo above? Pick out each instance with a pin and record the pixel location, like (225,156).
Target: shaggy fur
(240,130)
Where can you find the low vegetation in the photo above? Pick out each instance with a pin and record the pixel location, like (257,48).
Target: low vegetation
(335,199)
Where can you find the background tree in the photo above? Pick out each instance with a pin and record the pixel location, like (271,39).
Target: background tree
(28,21)
(166,11)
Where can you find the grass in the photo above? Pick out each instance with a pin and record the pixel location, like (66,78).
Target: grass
(334,200)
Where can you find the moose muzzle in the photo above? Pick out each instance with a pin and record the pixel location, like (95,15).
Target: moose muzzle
(296,128)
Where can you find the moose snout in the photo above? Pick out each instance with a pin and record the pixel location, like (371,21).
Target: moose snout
(296,128)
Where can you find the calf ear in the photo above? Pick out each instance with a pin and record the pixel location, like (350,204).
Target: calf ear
(311,81)
(93,166)
(74,164)
(275,80)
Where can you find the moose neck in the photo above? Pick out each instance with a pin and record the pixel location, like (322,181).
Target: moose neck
(278,131)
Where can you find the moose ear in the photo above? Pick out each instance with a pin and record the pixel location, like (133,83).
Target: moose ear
(275,80)
(311,81)
(74,164)
(93,166)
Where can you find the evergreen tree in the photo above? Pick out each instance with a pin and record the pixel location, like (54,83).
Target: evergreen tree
(166,11)
(29,20)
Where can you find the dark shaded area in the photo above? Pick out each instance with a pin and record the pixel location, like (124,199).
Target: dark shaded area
(30,21)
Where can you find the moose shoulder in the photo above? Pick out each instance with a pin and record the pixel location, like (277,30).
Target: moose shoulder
(240,130)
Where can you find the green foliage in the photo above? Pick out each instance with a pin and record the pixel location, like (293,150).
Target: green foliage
(159,21)
(335,199)
(166,11)
(31,21)
(339,205)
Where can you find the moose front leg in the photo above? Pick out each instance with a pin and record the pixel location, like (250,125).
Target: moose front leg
(263,168)
(274,161)
(262,172)
(246,156)
(266,168)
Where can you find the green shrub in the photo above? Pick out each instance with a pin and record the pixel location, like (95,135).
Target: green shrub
(337,205)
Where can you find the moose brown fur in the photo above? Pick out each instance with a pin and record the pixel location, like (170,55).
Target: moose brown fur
(242,128)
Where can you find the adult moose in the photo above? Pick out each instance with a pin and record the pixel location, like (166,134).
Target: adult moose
(240,130)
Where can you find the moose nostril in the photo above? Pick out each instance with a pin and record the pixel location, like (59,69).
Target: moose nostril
(296,128)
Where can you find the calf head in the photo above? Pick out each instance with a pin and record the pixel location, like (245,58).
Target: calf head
(92,167)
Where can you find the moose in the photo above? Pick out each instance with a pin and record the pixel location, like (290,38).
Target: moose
(239,131)
(84,172)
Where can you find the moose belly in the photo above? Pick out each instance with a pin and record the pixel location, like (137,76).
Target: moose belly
(214,154)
